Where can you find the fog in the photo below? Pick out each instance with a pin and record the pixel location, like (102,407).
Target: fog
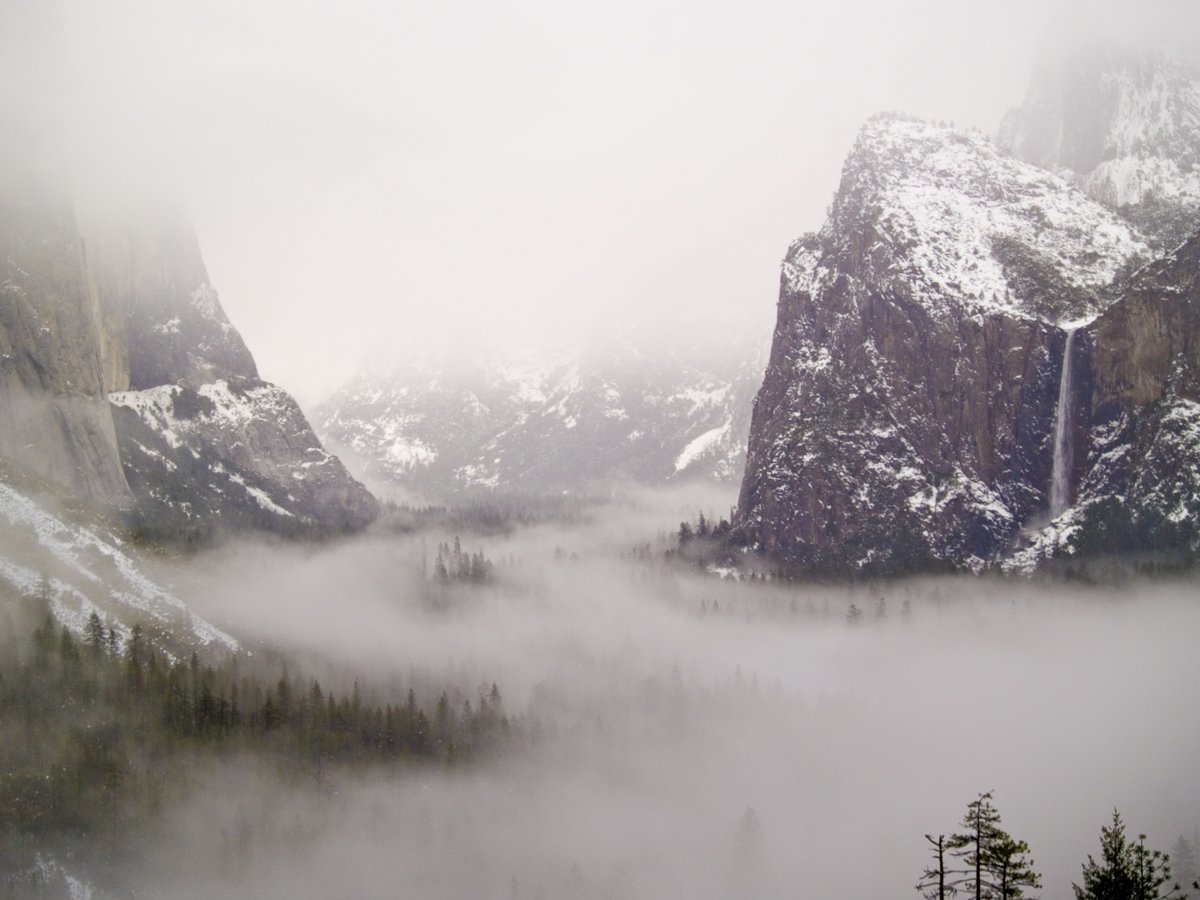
(668,703)
(391,175)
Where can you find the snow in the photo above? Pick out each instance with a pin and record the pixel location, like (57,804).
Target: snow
(409,453)
(942,202)
(48,868)
(75,547)
(702,398)
(156,407)
(204,299)
(701,445)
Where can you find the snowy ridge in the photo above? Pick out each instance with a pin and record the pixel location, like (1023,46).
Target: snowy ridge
(959,223)
(92,573)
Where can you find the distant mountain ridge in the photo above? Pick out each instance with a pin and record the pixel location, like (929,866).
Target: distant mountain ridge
(637,409)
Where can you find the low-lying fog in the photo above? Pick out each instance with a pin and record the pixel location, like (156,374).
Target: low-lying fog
(670,704)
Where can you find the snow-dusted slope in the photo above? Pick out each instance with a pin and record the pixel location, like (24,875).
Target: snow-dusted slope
(906,414)
(961,229)
(230,454)
(638,410)
(1122,124)
(83,569)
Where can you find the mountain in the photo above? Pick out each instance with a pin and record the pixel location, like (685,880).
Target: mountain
(907,416)
(1123,125)
(642,408)
(205,444)
(123,382)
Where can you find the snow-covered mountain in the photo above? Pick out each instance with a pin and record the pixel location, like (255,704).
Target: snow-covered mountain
(907,415)
(125,312)
(640,409)
(205,444)
(1122,124)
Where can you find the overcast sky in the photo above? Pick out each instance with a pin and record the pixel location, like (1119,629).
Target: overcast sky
(368,173)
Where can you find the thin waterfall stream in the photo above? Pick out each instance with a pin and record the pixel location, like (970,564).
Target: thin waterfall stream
(1060,474)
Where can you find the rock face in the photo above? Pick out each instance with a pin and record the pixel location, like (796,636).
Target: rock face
(905,420)
(162,322)
(193,441)
(232,454)
(1136,481)
(54,418)
(635,410)
(1123,125)
(205,444)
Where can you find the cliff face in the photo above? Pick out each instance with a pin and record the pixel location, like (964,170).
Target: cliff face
(54,417)
(206,445)
(130,311)
(1124,126)
(161,319)
(1136,471)
(906,416)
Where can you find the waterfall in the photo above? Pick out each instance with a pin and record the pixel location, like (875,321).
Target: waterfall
(1060,474)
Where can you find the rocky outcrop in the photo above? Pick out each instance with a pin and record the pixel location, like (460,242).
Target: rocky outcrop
(906,416)
(232,454)
(1123,125)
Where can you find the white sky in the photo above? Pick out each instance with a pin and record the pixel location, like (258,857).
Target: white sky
(368,173)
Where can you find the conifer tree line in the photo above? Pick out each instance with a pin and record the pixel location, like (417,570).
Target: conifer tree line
(984,862)
(93,733)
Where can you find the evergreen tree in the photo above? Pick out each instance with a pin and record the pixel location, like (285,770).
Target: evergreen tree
(996,866)
(1126,871)
(1012,870)
(93,634)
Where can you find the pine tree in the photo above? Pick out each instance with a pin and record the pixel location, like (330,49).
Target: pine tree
(996,866)
(1012,870)
(1127,871)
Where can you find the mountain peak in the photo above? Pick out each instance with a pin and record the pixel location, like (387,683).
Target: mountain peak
(941,216)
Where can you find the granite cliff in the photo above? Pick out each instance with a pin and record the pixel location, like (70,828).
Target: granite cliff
(115,359)
(907,418)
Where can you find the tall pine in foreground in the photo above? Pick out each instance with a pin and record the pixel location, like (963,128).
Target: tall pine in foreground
(993,864)
(1127,870)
